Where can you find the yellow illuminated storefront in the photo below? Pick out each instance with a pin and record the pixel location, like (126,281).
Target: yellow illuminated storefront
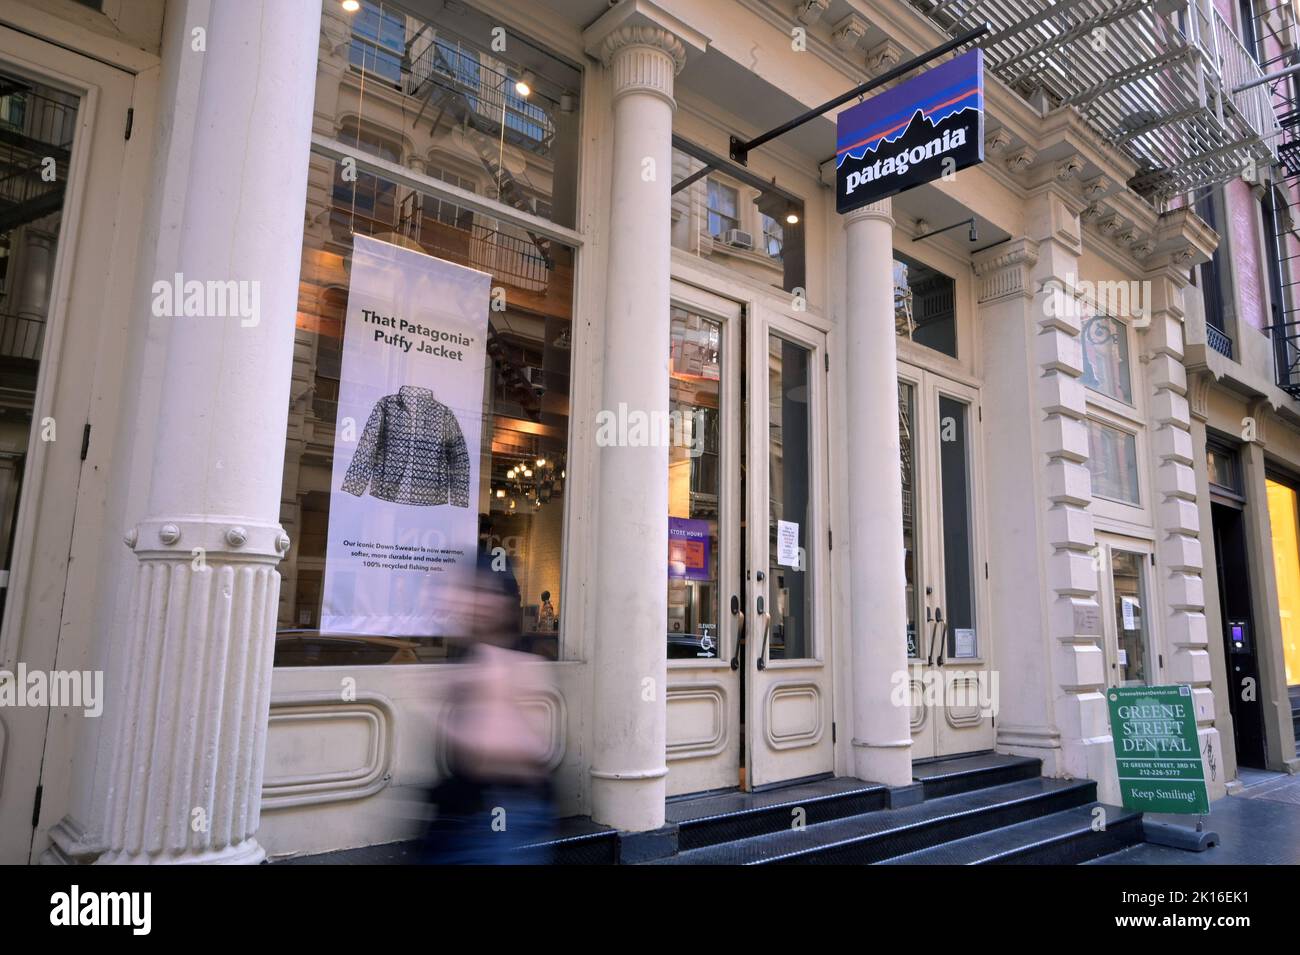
(1282,513)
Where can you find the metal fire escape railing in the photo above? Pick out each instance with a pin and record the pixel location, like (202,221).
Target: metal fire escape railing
(1277,54)
(1159,79)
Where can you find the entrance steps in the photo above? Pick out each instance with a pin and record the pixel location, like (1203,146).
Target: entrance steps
(977,809)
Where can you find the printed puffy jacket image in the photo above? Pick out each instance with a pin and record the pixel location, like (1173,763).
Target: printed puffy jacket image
(411,452)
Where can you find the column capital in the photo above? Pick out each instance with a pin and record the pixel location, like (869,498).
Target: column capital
(1005,270)
(881,210)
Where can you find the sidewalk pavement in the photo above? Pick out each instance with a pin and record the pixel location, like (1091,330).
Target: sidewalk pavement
(1258,826)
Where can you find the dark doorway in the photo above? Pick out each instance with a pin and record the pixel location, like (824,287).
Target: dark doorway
(1239,635)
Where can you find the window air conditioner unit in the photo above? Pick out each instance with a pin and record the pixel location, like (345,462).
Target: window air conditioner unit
(738,238)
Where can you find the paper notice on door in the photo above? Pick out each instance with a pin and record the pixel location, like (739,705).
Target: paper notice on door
(787,543)
(965,643)
(1123,657)
(1129,611)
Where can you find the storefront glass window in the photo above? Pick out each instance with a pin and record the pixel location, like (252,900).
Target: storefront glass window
(1112,461)
(694,486)
(1282,516)
(448,90)
(522,473)
(926,299)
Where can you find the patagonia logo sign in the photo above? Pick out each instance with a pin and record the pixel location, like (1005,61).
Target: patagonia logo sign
(925,129)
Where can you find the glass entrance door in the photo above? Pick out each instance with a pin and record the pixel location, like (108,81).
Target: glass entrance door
(63,156)
(1124,565)
(788,686)
(705,622)
(953,687)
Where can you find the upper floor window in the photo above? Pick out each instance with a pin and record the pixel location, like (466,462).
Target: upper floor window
(1105,357)
(1112,461)
(378,41)
(722,209)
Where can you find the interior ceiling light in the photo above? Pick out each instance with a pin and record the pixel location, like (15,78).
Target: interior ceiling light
(524,85)
(351,6)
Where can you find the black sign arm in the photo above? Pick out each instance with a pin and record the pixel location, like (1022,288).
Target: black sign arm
(740,150)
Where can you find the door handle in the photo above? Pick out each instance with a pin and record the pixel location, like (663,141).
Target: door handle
(740,631)
(767,632)
(941,636)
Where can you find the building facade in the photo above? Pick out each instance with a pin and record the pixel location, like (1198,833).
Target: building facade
(950,488)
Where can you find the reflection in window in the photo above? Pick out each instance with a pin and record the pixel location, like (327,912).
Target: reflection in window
(378,41)
(38,124)
(1105,356)
(1222,469)
(511,113)
(448,114)
(773,237)
(958,538)
(1129,591)
(694,486)
(925,303)
(769,221)
(722,209)
(907,454)
(789,500)
(1112,462)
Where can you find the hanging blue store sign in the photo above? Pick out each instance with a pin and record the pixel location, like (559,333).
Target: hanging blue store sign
(928,127)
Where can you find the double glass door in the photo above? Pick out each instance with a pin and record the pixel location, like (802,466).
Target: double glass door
(748,662)
(953,687)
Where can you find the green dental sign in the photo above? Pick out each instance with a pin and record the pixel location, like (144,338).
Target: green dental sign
(1156,750)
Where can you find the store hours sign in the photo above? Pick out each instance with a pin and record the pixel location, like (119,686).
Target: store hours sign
(930,126)
(1157,755)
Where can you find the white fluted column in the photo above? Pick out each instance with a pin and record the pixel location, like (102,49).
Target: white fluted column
(882,739)
(188,754)
(629,659)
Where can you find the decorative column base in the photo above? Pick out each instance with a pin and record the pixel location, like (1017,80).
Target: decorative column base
(187,774)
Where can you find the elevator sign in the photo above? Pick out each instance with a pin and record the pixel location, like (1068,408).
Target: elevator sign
(920,130)
(1157,754)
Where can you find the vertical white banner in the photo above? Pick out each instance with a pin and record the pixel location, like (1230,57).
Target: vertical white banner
(403,523)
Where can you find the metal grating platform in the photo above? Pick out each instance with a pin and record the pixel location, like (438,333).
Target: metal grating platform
(1158,79)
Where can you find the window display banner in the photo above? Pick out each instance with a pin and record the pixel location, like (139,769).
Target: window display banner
(403,519)
(1157,755)
(930,126)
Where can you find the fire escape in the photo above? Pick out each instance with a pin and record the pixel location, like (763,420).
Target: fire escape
(1160,80)
(1279,55)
